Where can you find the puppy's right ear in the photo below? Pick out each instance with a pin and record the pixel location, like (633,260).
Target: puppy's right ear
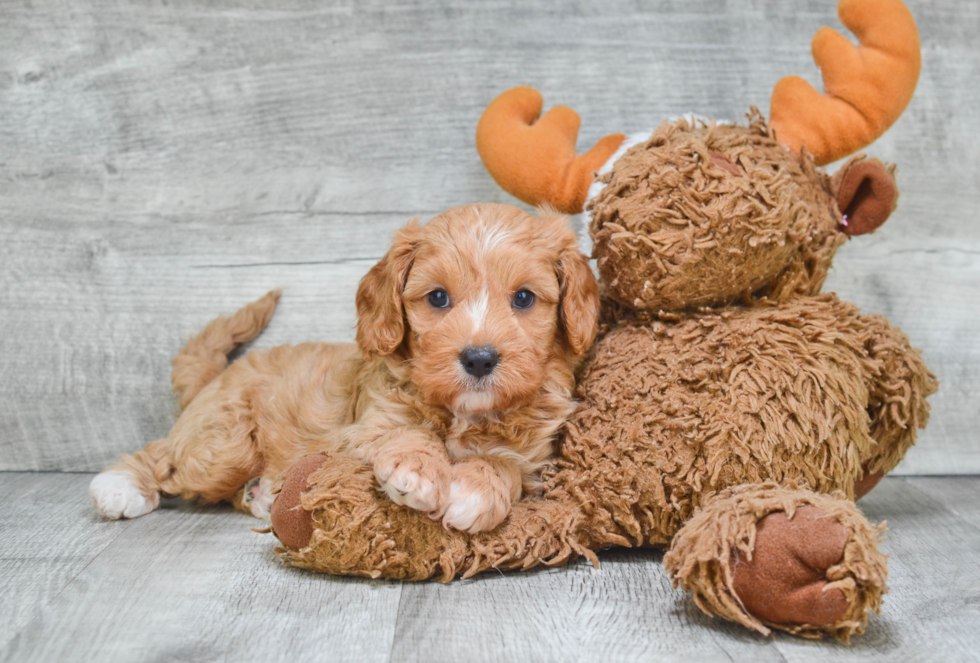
(579,308)
(380,314)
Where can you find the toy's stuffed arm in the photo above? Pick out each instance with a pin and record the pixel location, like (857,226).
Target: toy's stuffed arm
(331,517)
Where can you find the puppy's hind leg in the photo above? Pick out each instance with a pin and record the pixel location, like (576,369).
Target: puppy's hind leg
(130,488)
(207,457)
(256,497)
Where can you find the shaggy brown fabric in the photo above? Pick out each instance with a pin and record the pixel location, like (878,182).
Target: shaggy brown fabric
(676,228)
(675,409)
(897,397)
(701,557)
(356,532)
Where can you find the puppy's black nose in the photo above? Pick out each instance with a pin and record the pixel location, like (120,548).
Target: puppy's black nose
(479,361)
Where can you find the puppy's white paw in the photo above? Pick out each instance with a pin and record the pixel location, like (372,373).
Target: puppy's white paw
(259,497)
(116,496)
(475,507)
(407,487)
(414,482)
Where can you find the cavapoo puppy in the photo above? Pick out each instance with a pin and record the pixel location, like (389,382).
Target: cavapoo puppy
(468,331)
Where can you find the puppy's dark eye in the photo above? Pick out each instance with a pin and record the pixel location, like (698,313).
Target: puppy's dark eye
(439,299)
(523,299)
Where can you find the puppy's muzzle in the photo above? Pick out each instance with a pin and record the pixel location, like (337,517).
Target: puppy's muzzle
(479,361)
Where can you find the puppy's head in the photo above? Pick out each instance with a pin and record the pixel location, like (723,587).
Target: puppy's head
(483,301)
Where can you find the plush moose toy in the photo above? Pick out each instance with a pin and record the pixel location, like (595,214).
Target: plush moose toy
(729,410)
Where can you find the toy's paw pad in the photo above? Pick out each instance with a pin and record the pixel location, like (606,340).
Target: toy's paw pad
(116,496)
(478,500)
(785,581)
(258,497)
(418,481)
(290,522)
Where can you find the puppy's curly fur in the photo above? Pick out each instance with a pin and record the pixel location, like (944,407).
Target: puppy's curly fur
(456,437)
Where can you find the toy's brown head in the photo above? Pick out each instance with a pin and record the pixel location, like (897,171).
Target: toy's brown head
(705,215)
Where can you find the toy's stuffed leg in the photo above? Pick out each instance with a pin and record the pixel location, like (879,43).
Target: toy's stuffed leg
(775,556)
(331,517)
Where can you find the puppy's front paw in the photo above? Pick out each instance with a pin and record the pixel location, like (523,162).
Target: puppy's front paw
(116,496)
(416,480)
(478,500)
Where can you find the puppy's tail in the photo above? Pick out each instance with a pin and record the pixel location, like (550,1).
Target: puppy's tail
(206,355)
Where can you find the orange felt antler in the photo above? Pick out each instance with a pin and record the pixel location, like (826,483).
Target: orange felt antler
(534,159)
(867,87)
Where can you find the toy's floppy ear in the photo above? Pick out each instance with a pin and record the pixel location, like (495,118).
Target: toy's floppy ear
(534,159)
(866,194)
(867,87)
(579,303)
(380,315)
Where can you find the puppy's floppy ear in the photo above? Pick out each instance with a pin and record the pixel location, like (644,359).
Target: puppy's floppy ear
(380,315)
(579,307)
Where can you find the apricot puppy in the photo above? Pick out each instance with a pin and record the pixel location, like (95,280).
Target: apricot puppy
(467,335)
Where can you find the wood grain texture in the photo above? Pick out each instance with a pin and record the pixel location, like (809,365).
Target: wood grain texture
(194,584)
(189,584)
(163,162)
(48,535)
(960,497)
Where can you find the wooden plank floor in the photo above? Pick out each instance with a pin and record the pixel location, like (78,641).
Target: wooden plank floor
(190,583)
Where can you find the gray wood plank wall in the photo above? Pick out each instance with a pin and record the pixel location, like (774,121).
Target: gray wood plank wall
(163,162)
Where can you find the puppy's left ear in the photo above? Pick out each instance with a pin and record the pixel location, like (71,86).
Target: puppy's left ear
(579,307)
(380,314)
